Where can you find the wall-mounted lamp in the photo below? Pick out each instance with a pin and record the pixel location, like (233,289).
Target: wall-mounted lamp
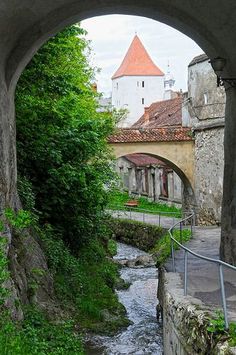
(218,65)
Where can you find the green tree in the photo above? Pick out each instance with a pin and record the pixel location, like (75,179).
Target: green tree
(61,138)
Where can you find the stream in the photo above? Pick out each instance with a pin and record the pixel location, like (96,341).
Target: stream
(144,336)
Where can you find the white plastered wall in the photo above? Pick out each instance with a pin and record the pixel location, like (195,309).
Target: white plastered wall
(129,93)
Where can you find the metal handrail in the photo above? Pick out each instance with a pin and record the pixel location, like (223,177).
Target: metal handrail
(137,209)
(189,251)
(159,214)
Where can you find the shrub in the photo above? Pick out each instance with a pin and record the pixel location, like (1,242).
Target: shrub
(162,249)
(217,328)
(86,282)
(138,234)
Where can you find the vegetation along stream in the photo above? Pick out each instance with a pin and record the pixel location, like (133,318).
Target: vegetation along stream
(144,335)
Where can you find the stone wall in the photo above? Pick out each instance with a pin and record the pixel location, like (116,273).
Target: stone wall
(185,321)
(207,101)
(206,108)
(209,166)
(147,180)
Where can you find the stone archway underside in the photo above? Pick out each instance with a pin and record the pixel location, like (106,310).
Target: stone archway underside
(25,25)
(178,155)
(181,154)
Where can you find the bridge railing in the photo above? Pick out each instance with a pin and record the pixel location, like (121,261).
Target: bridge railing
(191,220)
(121,211)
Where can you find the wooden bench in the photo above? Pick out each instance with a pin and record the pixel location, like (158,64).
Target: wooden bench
(131,203)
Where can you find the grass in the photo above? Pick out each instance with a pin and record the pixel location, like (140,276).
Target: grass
(162,249)
(38,336)
(217,328)
(150,238)
(119,198)
(61,338)
(35,335)
(141,235)
(85,296)
(232,333)
(86,283)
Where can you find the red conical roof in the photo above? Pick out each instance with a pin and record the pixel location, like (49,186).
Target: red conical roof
(137,62)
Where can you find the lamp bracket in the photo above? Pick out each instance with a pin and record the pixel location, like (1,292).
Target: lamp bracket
(221,81)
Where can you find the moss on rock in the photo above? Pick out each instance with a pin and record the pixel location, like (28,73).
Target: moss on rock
(141,235)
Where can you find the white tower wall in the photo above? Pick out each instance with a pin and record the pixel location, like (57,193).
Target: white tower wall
(134,93)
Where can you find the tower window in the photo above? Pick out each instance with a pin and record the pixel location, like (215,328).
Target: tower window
(137,83)
(117,85)
(142,101)
(142,84)
(205,98)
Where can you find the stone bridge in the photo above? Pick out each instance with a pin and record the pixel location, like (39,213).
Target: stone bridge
(174,146)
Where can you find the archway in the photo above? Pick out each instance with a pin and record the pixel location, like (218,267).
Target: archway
(54,16)
(187,194)
(26,27)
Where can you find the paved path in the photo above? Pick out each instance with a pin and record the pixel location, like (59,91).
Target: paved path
(203,276)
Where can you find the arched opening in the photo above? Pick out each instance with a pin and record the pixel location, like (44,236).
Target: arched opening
(31,39)
(157,178)
(31,27)
(25,28)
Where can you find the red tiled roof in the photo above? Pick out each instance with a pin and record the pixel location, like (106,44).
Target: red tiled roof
(143,160)
(137,62)
(161,114)
(161,134)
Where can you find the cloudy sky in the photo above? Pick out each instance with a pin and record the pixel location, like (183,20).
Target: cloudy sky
(111,36)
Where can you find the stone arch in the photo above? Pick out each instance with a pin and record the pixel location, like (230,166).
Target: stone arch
(188,196)
(181,153)
(25,26)
(177,15)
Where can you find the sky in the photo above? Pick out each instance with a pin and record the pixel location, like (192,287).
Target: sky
(111,36)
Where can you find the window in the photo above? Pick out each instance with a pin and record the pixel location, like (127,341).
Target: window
(142,101)
(117,85)
(142,84)
(137,83)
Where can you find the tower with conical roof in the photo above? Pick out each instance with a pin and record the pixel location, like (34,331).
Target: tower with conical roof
(137,83)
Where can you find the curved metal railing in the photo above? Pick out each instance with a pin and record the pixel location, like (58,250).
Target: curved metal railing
(191,220)
(187,220)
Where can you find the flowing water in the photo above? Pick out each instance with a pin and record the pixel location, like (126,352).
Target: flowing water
(144,336)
